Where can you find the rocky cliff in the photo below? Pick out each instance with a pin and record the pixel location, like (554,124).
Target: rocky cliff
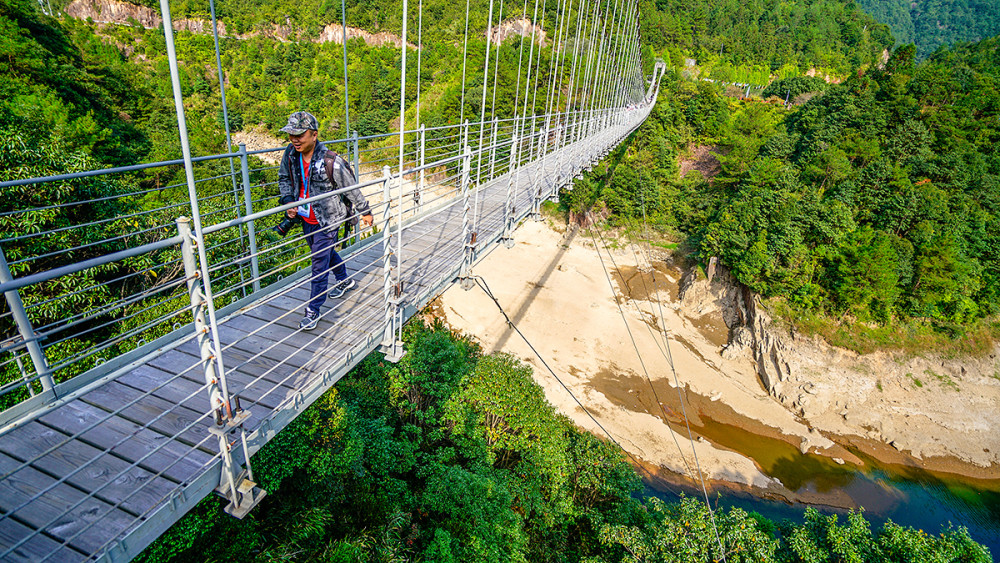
(123,13)
(517,26)
(924,406)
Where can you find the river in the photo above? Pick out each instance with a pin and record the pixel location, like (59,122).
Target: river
(908,496)
(558,295)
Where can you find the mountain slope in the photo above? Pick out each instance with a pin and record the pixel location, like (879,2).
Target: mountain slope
(930,24)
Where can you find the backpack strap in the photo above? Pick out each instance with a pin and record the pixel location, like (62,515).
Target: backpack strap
(329,159)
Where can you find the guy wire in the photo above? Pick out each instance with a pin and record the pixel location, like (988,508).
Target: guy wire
(680,394)
(687,424)
(481,282)
(645,371)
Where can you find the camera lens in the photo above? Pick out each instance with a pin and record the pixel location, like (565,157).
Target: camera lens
(285,225)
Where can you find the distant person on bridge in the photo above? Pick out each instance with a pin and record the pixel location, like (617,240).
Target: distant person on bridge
(308,169)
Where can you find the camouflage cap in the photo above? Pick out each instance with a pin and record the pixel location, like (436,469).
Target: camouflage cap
(300,122)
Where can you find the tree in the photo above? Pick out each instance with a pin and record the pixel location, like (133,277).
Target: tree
(864,275)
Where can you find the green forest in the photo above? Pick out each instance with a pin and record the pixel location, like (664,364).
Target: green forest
(873,200)
(455,456)
(930,25)
(876,200)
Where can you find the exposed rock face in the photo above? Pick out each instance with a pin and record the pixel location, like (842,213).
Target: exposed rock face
(829,79)
(257,138)
(122,13)
(517,26)
(334,33)
(109,11)
(922,406)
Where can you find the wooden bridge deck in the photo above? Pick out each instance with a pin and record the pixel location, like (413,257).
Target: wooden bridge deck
(101,476)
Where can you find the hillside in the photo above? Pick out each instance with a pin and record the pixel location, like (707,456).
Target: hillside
(932,24)
(876,200)
(455,456)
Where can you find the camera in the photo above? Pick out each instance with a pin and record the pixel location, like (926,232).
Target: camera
(287,224)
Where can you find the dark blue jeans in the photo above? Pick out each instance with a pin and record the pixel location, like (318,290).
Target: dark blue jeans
(321,245)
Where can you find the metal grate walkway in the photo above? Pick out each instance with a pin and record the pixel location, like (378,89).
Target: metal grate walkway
(103,475)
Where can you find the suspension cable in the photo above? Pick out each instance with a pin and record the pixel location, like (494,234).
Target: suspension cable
(638,354)
(481,282)
(465,56)
(420,52)
(482,114)
(493,106)
(677,385)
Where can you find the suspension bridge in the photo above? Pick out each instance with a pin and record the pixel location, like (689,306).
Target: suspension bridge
(143,376)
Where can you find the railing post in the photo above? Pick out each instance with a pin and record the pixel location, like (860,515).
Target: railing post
(234,484)
(536,186)
(355,155)
(548,131)
(26,330)
(469,236)
(392,293)
(508,228)
(419,190)
(248,203)
(493,148)
(25,377)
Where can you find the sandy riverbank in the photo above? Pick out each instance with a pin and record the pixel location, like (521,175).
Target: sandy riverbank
(554,287)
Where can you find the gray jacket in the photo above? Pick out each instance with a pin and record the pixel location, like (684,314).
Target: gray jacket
(329,212)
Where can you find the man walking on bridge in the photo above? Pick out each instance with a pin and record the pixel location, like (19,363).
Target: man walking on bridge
(309,169)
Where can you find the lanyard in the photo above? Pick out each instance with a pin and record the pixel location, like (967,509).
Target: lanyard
(304,210)
(305,179)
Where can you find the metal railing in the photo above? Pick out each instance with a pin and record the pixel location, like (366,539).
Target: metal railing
(107,277)
(115,275)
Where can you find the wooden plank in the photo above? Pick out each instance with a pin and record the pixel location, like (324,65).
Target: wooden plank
(429,274)
(177,361)
(308,358)
(430,227)
(35,549)
(177,422)
(299,292)
(285,318)
(264,356)
(109,478)
(429,263)
(246,385)
(278,352)
(430,245)
(129,440)
(358,299)
(266,326)
(177,389)
(63,511)
(262,370)
(251,392)
(369,283)
(265,394)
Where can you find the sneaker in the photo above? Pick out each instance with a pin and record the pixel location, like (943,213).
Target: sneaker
(342,287)
(310,321)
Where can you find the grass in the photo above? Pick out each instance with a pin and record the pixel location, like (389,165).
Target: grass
(667,245)
(944,379)
(878,385)
(911,337)
(915,380)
